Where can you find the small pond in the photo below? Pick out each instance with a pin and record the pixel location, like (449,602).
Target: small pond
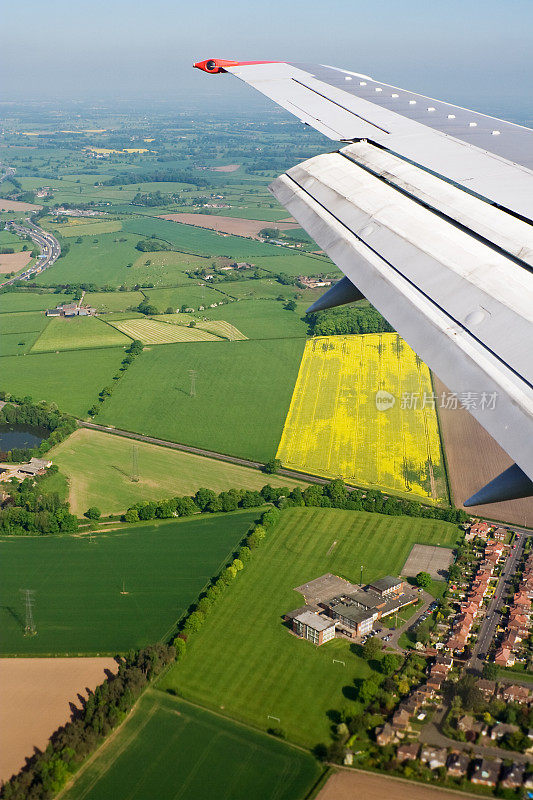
(21,436)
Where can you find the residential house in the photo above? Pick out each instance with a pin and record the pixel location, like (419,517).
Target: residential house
(385,734)
(434,757)
(501,729)
(487,688)
(515,694)
(500,534)
(504,657)
(457,764)
(512,776)
(486,772)
(408,752)
(400,719)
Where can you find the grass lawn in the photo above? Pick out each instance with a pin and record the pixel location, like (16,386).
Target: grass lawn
(30,301)
(63,333)
(99,467)
(243,391)
(170,749)
(265,669)
(71,379)
(78,580)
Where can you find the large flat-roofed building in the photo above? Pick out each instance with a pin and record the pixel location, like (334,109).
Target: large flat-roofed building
(313,627)
(387,586)
(357,619)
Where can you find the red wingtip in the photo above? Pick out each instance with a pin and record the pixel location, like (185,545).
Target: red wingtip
(214,65)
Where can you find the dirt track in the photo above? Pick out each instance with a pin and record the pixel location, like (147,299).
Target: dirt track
(12,262)
(355,785)
(35,698)
(474,458)
(233,225)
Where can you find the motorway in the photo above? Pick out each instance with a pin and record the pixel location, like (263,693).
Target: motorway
(47,244)
(493,616)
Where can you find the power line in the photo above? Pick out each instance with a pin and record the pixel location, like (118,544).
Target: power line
(193,374)
(29,626)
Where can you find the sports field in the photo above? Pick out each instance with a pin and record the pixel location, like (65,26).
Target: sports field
(171,750)
(337,427)
(152,331)
(242,392)
(99,470)
(62,333)
(266,670)
(71,378)
(78,582)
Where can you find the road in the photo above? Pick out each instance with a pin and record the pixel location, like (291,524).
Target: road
(411,622)
(492,617)
(45,241)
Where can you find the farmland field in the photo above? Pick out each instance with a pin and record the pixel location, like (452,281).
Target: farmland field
(218,327)
(266,670)
(113,301)
(474,458)
(103,259)
(14,262)
(225,224)
(30,301)
(19,331)
(190,294)
(260,319)
(99,469)
(72,378)
(86,228)
(78,581)
(242,394)
(152,331)
(63,333)
(334,427)
(204,756)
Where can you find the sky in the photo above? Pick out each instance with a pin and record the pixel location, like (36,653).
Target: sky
(473,52)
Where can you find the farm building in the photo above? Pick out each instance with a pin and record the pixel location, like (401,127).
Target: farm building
(71,310)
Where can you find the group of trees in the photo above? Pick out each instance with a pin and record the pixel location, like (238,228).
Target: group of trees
(46,416)
(152,245)
(156,176)
(46,773)
(204,501)
(29,510)
(347,319)
(135,349)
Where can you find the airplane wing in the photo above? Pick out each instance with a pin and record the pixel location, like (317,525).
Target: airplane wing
(428,211)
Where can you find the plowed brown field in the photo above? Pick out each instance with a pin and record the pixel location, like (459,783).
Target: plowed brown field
(474,458)
(36,697)
(348,785)
(233,225)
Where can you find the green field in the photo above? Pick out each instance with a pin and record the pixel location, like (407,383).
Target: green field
(113,301)
(19,331)
(63,333)
(99,469)
(85,228)
(243,391)
(153,331)
(171,750)
(261,319)
(30,301)
(72,378)
(266,670)
(190,294)
(101,260)
(78,581)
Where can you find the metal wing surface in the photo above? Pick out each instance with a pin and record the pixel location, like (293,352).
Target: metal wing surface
(428,211)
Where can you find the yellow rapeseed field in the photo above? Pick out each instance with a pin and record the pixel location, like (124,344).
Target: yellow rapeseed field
(363,410)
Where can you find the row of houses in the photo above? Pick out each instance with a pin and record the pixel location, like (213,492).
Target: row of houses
(482,530)
(471,607)
(519,619)
(400,723)
(459,764)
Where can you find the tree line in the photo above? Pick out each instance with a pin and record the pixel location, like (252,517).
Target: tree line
(135,349)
